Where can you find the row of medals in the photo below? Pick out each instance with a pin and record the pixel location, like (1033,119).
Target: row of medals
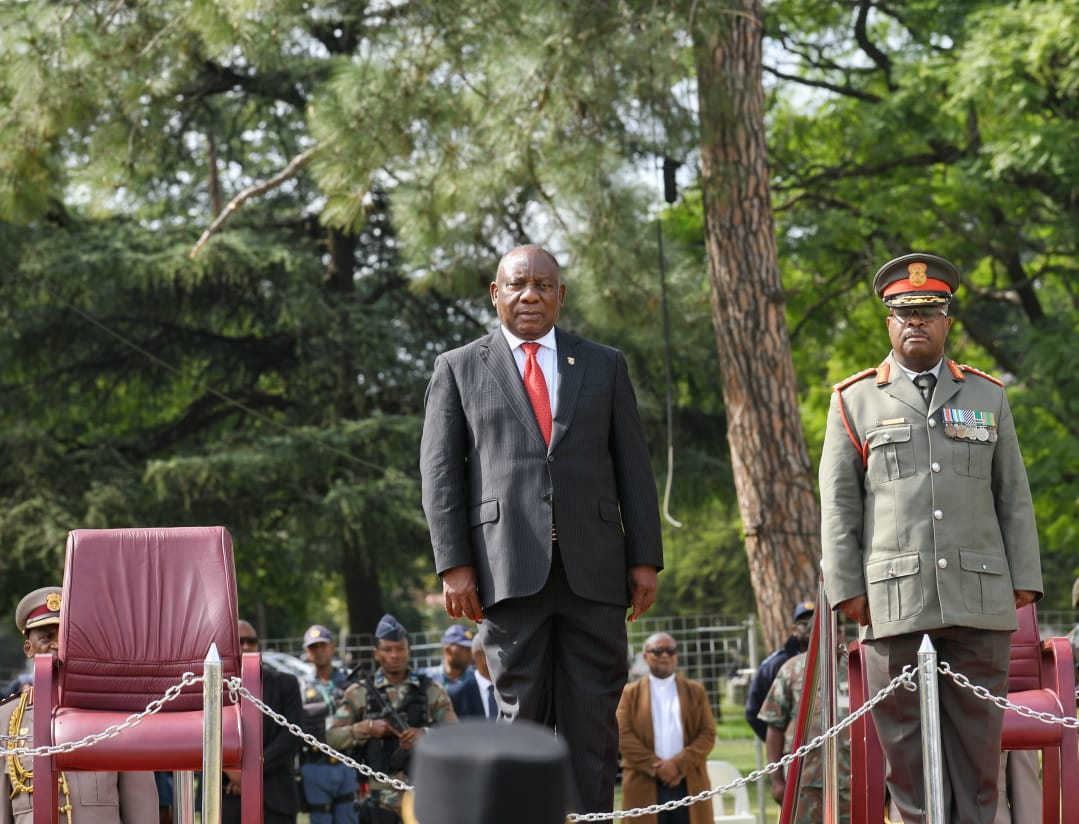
(971,433)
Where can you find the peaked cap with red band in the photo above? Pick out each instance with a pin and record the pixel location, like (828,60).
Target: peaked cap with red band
(38,609)
(917,279)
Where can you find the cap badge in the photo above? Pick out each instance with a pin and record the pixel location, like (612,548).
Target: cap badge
(917,272)
(52,601)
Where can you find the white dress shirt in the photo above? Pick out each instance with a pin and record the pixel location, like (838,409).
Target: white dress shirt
(483,684)
(666,716)
(546,356)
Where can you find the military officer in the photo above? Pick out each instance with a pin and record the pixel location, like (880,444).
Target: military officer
(85,797)
(928,527)
(381,717)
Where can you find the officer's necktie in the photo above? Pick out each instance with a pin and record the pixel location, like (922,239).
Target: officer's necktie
(925,383)
(536,387)
(492,704)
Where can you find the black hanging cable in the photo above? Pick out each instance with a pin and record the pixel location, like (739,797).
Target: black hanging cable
(670,195)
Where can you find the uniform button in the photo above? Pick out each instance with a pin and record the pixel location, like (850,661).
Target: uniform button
(938,514)
(984,566)
(943,563)
(932,422)
(891,572)
(547,497)
(936,466)
(887,437)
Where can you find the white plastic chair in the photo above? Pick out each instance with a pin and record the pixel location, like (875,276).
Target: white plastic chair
(729,807)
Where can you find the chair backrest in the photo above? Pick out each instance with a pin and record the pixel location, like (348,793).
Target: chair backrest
(140,608)
(732,805)
(1024,670)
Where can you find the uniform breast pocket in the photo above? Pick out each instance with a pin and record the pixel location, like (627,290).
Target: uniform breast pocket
(891,453)
(972,458)
(895,588)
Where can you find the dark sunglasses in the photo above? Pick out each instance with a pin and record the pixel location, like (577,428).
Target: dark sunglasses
(657,651)
(247,640)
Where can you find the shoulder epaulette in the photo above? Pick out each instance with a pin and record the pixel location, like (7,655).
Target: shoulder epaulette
(865,373)
(980,374)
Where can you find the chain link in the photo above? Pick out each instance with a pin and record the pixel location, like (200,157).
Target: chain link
(1004,703)
(171,694)
(236,689)
(905,679)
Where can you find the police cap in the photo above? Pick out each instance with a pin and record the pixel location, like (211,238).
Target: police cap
(38,609)
(317,634)
(389,629)
(515,772)
(804,610)
(917,279)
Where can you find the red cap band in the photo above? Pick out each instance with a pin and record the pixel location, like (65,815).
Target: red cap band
(904,285)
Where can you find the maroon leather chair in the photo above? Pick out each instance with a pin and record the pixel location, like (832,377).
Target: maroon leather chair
(140,608)
(1041,676)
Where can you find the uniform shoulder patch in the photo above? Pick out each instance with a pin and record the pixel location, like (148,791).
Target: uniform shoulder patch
(865,373)
(981,374)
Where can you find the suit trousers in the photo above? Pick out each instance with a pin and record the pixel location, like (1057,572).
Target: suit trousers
(970,727)
(560,660)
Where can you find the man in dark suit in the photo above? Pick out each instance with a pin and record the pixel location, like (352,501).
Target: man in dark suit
(474,695)
(280,798)
(543,512)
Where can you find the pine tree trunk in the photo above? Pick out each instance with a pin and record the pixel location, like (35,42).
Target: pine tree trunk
(772,474)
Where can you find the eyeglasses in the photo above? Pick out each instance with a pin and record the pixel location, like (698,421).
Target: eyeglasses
(657,651)
(904,314)
(248,641)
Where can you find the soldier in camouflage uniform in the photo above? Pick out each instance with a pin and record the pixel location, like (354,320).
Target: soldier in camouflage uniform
(780,713)
(382,716)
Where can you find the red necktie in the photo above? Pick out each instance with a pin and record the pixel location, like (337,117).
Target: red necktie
(536,387)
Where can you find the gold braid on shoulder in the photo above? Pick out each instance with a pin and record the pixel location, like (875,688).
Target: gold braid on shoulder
(22,779)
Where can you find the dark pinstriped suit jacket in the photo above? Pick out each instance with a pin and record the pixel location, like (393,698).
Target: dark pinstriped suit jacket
(491,486)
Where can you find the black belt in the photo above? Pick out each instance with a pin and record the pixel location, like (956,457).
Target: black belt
(317,757)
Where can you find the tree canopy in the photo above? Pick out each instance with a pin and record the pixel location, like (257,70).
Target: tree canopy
(273,382)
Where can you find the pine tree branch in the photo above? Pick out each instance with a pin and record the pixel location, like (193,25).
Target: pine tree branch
(290,171)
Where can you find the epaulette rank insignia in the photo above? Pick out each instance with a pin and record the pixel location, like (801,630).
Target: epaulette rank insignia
(843,384)
(980,374)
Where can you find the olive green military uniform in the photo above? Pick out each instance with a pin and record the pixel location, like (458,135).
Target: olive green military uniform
(344,736)
(780,709)
(929,514)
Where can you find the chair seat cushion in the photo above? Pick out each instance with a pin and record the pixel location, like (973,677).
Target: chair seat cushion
(165,741)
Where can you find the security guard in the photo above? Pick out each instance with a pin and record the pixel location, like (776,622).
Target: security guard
(329,787)
(382,717)
(928,527)
(84,797)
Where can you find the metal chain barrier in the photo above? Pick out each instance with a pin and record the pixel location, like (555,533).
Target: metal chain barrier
(171,694)
(236,690)
(1004,703)
(905,679)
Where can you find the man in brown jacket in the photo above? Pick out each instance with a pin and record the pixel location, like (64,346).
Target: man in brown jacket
(666,731)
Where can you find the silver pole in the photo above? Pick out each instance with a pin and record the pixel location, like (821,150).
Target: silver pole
(929,701)
(829,699)
(751,641)
(183,796)
(211,738)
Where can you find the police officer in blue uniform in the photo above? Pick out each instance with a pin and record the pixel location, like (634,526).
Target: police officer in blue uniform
(329,787)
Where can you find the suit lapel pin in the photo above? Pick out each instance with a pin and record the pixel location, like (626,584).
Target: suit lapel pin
(571,361)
